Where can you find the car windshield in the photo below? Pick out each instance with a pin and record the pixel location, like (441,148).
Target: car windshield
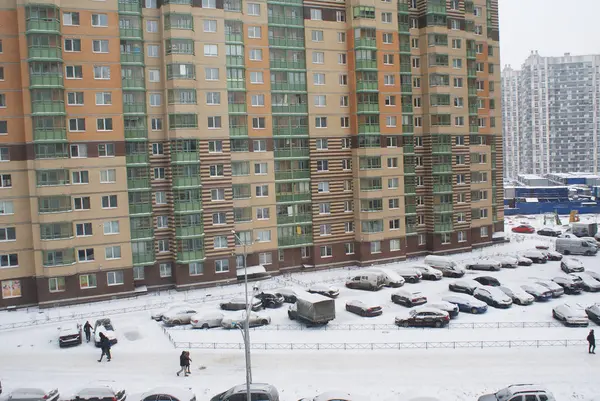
(502,394)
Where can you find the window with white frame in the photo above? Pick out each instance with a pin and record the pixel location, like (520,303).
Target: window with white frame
(320,122)
(221,266)
(104,124)
(211,50)
(254,32)
(85,255)
(80,177)
(462,236)
(316,35)
(220,242)
(349,227)
(214,122)
(87,281)
(109,202)
(319,78)
(375,246)
(101,72)
(111,227)
(316,14)
(115,278)
(323,187)
(72,45)
(162,245)
(108,176)
(196,269)
(262,191)
(255,55)
(156,124)
(258,101)
(349,248)
(165,270)
(320,100)
(210,25)
(256,77)
(70,18)
(103,98)
(112,252)
(79,151)
(263,236)
(152,26)
(318,57)
(265,258)
(326,251)
(99,20)
(253,9)
(160,197)
(100,46)
(394,245)
(75,98)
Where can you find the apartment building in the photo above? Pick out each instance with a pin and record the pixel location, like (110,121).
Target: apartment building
(551,111)
(149,143)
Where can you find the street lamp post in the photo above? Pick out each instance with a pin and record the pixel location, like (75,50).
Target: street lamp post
(246,328)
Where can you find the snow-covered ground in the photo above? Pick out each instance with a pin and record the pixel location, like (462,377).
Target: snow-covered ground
(145,357)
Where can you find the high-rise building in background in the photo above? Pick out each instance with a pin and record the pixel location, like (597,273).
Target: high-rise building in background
(153,143)
(551,111)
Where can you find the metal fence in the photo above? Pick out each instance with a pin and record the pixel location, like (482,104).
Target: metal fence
(385,346)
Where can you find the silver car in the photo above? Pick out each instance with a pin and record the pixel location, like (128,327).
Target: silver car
(571,265)
(588,283)
(179,316)
(517,294)
(571,315)
(556,289)
(206,320)
(493,297)
(239,320)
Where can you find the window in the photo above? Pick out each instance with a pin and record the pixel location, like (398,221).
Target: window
(211,74)
(4,154)
(100,46)
(157,149)
(319,79)
(349,248)
(219,218)
(153,51)
(343,79)
(388,38)
(256,77)
(340,16)
(325,208)
(154,75)
(394,245)
(320,101)
(220,242)
(6,208)
(80,177)
(215,146)
(389,80)
(316,14)
(254,32)
(211,50)
(458,82)
(390,121)
(101,72)
(151,26)
(104,124)
(326,251)
(345,122)
(56,284)
(156,124)
(260,168)
(460,179)
(394,203)
(87,281)
(111,227)
(75,98)
(109,201)
(390,100)
(108,176)
(457,63)
(115,278)
(255,55)
(375,247)
(317,36)
(112,252)
(392,162)
(416,82)
(394,224)
(254,9)
(346,143)
(386,18)
(262,191)
(462,236)
(446,238)
(85,255)
(209,4)
(414,43)
(162,245)
(322,144)
(165,270)
(341,37)
(161,197)
(8,261)
(483,231)
(342,58)
(258,101)
(221,266)
(214,122)
(456,43)
(388,59)
(8,234)
(99,20)
(162,221)
(103,98)
(318,57)
(459,121)
(195,269)
(263,236)
(210,25)
(320,122)
(322,165)
(262,213)
(70,19)
(325,229)
(72,45)
(216,170)
(79,151)
(217,194)
(323,187)
(74,72)
(213,98)
(139,272)
(259,145)
(265,258)
(393,183)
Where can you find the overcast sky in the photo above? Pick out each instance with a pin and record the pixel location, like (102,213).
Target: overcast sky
(553,27)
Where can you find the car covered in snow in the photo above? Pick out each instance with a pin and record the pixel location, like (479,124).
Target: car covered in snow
(177,316)
(507,261)
(424,317)
(484,264)
(410,275)
(335,396)
(446,265)
(69,335)
(593,312)
(158,315)
(324,289)
(487,280)
(168,394)
(289,295)
(239,320)
(363,309)
(552,255)
(520,392)
(33,394)
(517,294)
(366,280)
(569,285)
(571,265)
(493,297)
(549,232)
(593,274)
(105,327)
(449,307)
(523,229)
(535,255)
(466,286)
(466,303)
(539,293)
(428,272)
(100,392)
(271,299)
(556,289)
(408,298)
(206,320)
(588,283)
(390,278)
(239,303)
(570,315)
(258,392)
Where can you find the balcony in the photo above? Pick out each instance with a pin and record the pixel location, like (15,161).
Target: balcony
(409,169)
(402,8)
(285,20)
(410,209)
(366,64)
(443,208)
(405,68)
(140,208)
(290,131)
(297,197)
(129,7)
(367,108)
(441,148)
(234,61)
(407,108)
(405,48)
(189,231)
(63,260)
(138,183)
(442,188)
(146,258)
(292,153)
(290,109)
(471,54)
(471,73)
(299,218)
(368,129)
(408,149)
(434,9)
(288,87)
(408,128)
(236,85)
(132,58)
(411,229)
(473,128)
(442,168)
(142,233)
(298,240)
(406,88)
(288,64)
(186,182)
(46,81)
(286,42)
(136,134)
(234,38)
(137,158)
(365,42)
(190,256)
(131,33)
(134,108)
(44,53)
(184,207)
(241,131)
(410,189)
(50,135)
(134,83)
(366,86)
(237,108)
(473,110)
(442,227)
(185,157)
(292,175)
(240,147)
(47,107)
(42,26)
(403,27)
(286,2)
(472,91)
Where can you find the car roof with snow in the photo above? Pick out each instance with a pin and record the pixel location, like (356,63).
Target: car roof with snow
(307,296)
(430,310)
(254,387)
(493,291)
(460,298)
(467,282)
(406,291)
(323,287)
(364,304)
(534,286)
(570,259)
(573,309)
(96,391)
(72,329)
(208,314)
(179,393)
(30,393)
(441,304)
(336,395)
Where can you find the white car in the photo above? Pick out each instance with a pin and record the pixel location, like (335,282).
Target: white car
(158,315)
(466,286)
(588,283)
(593,274)
(239,320)
(535,256)
(493,297)
(571,265)
(206,320)
(410,275)
(484,264)
(507,261)
(428,272)
(105,327)
(100,391)
(556,289)
(323,289)
(408,298)
(517,294)
(449,307)
(32,394)
(571,315)
(178,316)
(466,303)
(539,293)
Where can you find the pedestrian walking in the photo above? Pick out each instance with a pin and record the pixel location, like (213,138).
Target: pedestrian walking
(591,338)
(184,363)
(187,362)
(105,346)
(87,328)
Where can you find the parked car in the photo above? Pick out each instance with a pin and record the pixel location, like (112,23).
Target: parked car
(179,316)
(567,235)
(493,297)
(570,286)
(333,396)
(556,289)
(523,229)
(447,266)
(104,326)
(270,299)
(520,392)
(69,335)
(466,303)
(362,309)
(571,265)
(535,255)
(552,255)
(517,294)
(158,315)
(323,289)
(289,296)
(258,391)
(576,246)
(593,274)
(33,394)
(100,392)
(570,315)
(239,320)
(539,293)
(428,272)
(593,312)
(507,261)
(206,320)
(424,317)
(371,281)
(549,232)
(449,307)
(239,303)
(166,393)
(588,283)
(523,261)
(484,264)
(390,277)
(408,298)
(466,286)
(487,280)
(410,275)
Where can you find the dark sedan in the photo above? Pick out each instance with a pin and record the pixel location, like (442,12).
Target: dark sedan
(488,280)
(362,309)
(424,317)
(549,232)
(271,299)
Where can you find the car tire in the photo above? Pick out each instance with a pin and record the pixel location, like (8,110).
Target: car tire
(588,253)
(567,252)
(405,324)
(474,311)
(517,302)
(437,324)
(264,322)
(408,304)
(205,326)
(176,322)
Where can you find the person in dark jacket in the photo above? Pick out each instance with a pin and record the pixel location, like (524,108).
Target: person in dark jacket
(591,342)
(183,363)
(105,347)
(187,363)
(87,328)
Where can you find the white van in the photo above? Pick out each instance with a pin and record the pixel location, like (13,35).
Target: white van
(447,266)
(390,278)
(575,246)
(371,281)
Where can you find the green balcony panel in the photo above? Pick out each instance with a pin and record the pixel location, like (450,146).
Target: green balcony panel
(442,188)
(140,208)
(300,218)
(290,131)
(366,86)
(130,7)
(285,20)
(366,64)
(408,128)
(190,256)
(443,208)
(189,231)
(471,54)
(365,42)
(142,233)
(473,128)
(134,108)
(407,108)
(288,87)
(286,42)
(44,53)
(184,207)
(288,65)
(408,149)
(42,26)
(234,61)
(405,48)
(237,108)
(46,80)
(410,189)
(402,8)
(368,108)
(292,175)
(435,9)
(368,129)
(406,88)
(290,109)
(297,240)
(48,107)
(236,85)
(442,227)
(132,58)
(53,135)
(185,157)
(138,183)
(409,169)
(138,158)
(186,182)
(136,133)
(411,229)
(442,168)
(241,131)
(234,38)
(405,68)
(473,110)
(143,258)
(472,91)
(441,148)
(131,33)
(286,2)
(410,209)
(134,83)
(471,73)
(292,153)
(299,197)
(403,27)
